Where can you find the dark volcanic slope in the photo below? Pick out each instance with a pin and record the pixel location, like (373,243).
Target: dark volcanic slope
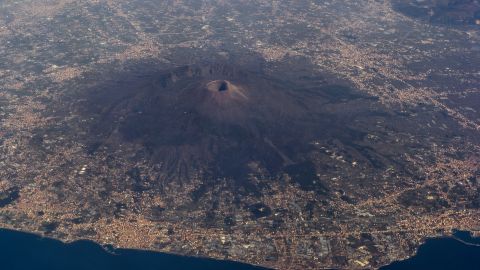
(218,118)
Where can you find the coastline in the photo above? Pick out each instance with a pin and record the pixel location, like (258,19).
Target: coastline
(113,250)
(415,261)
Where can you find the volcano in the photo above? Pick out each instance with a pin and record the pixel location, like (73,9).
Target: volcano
(216,119)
